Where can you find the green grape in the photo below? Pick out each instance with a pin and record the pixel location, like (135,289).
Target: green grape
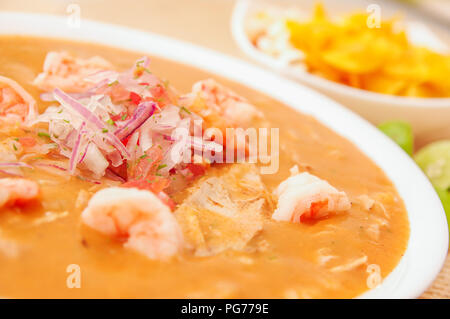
(444,195)
(434,160)
(401,133)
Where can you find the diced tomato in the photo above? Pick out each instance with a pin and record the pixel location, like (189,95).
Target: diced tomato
(155,184)
(197,169)
(143,175)
(147,164)
(27,141)
(126,139)
(135,98)
(119,117)
(160,95)
(118,93)
(120,171)
(157,91)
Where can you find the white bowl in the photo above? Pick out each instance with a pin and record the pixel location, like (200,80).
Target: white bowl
(428,242)
(430,117)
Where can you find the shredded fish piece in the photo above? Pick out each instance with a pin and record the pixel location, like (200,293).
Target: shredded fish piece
(294,170)
(220,214)
(324,255)
(82,199)
(9,247)
(350,265)
(373,231)
(246,260)
(366,202)
(49,217)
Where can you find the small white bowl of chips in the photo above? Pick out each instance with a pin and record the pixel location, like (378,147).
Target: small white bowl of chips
(391,70)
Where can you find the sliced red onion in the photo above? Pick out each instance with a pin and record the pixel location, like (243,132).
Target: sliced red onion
(84,153)
(90,117)
(101,76)
(15,164)
(89,180)
(168,138)
(9,173)
(133,146)
(199,144)
(52,166)
(96,162)
(115,158)
(63,169)
(140,115)
(49,96)
(92,91)
(75,150)
(63,148)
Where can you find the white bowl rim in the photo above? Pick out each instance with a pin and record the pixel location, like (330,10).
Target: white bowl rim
(428,242)
(237,28)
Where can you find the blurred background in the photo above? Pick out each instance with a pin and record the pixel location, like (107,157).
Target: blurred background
(207,22)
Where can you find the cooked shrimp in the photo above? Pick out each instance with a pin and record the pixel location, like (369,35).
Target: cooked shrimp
(16,105)
(17,191)
(137,215)
(221,107)
(67,72)
(305,197)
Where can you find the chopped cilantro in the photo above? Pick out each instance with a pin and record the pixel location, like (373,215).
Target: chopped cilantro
(43,134)
(161,166)
(186,110)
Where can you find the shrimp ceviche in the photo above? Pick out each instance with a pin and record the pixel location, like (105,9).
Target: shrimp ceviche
(127,167)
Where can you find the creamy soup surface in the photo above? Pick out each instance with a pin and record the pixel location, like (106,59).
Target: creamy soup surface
(329,258)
